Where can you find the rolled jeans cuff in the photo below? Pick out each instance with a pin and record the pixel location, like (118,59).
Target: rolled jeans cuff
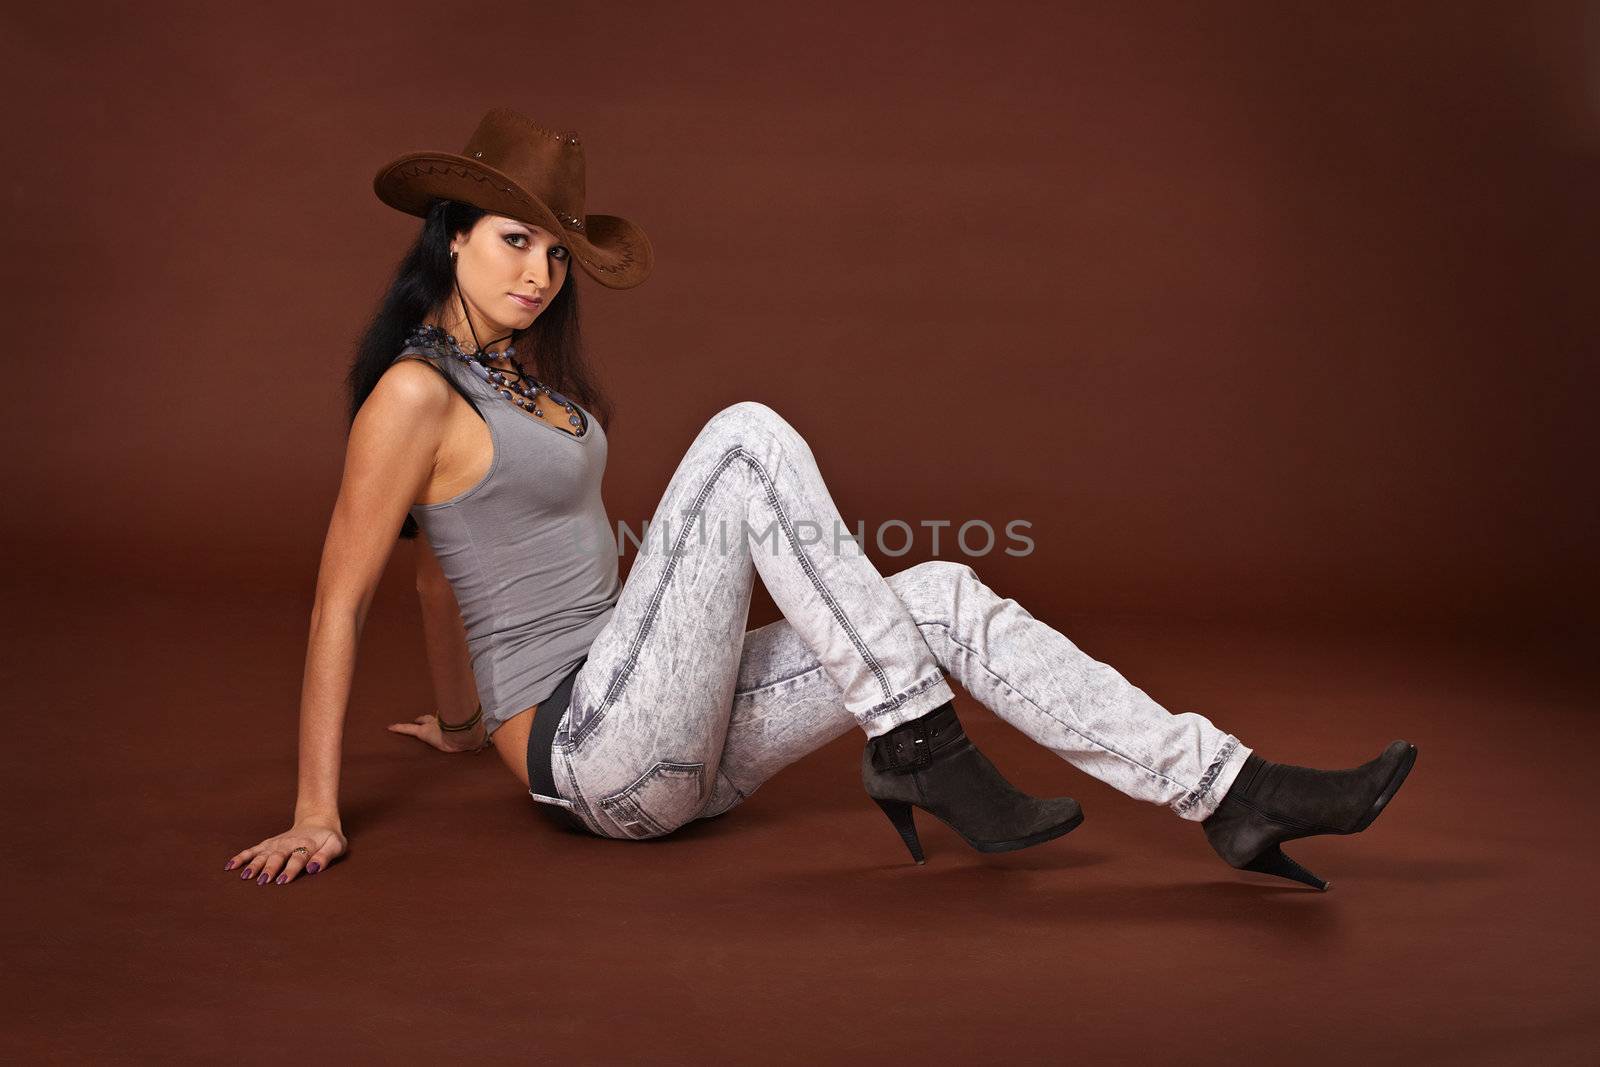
(1200,802)
(927,694)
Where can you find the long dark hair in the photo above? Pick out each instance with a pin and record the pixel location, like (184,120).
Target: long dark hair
(425,280)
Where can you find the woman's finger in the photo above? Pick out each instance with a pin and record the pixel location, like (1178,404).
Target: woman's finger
(251,867)
(291,868)
(269,868)
(422,720)
(324,856)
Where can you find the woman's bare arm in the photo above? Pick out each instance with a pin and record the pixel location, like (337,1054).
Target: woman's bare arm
(393,444)
(390,455)
(455,689)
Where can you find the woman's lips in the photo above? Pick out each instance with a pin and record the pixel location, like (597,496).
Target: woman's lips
(527,302)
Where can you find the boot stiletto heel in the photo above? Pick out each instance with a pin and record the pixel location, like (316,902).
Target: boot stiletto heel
(931,763)
(1270,803)
(899,812)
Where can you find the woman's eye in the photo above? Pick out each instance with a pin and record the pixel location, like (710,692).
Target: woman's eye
(561,252)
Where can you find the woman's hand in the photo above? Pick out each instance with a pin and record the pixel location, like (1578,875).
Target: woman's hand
(425,728)
(276,858)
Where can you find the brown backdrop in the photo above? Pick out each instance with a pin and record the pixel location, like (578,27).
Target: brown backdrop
(1274,317)
(1258,310)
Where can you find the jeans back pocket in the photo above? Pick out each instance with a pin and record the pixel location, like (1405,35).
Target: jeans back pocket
(659,801)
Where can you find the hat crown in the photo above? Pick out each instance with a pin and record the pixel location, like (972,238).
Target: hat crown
(546,163)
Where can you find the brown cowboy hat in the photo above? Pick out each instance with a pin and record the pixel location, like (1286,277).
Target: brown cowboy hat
(512,166)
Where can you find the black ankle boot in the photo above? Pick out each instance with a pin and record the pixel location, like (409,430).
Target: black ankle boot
(1270,803)
(932,763)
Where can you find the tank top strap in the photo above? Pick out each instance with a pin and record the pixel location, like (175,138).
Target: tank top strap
(448,366)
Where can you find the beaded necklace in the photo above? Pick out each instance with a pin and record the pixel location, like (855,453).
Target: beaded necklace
(519,392)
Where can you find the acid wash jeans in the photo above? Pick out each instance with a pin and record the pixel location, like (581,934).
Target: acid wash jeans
(680,714)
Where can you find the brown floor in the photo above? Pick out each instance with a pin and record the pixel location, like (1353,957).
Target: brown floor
(1460,928)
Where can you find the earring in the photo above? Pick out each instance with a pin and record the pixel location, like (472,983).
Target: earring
(452,256)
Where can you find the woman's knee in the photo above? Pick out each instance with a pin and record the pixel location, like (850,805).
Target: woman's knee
(929,589)
(748,409)
(752,416)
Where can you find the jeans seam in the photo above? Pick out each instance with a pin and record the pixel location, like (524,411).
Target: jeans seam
(816,580)
(950,634)
(579,804)
(626,669)
(645,624)
(1224,754)
(739,797)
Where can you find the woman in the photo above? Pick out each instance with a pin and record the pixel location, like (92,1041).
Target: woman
(630,710)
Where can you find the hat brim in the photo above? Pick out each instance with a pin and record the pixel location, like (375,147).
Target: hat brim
(612,250)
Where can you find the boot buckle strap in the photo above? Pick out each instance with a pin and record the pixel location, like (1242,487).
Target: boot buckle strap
(903,748)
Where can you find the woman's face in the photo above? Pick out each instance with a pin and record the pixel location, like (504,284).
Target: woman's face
(501,260)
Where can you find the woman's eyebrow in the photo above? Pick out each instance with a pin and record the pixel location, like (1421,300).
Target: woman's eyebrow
(531,231)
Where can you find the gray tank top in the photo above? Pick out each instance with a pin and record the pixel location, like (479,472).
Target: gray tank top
(528,551)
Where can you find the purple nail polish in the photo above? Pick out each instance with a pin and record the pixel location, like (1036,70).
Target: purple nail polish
(284,877)
(228,866)
(263,879)
(246,874)
(313,867)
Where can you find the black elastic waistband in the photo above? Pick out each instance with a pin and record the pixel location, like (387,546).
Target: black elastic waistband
(541,778)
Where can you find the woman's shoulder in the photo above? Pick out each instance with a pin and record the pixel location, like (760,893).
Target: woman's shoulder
(426,357)
(428,376)
(416,383)
(418,378)
(409,362)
